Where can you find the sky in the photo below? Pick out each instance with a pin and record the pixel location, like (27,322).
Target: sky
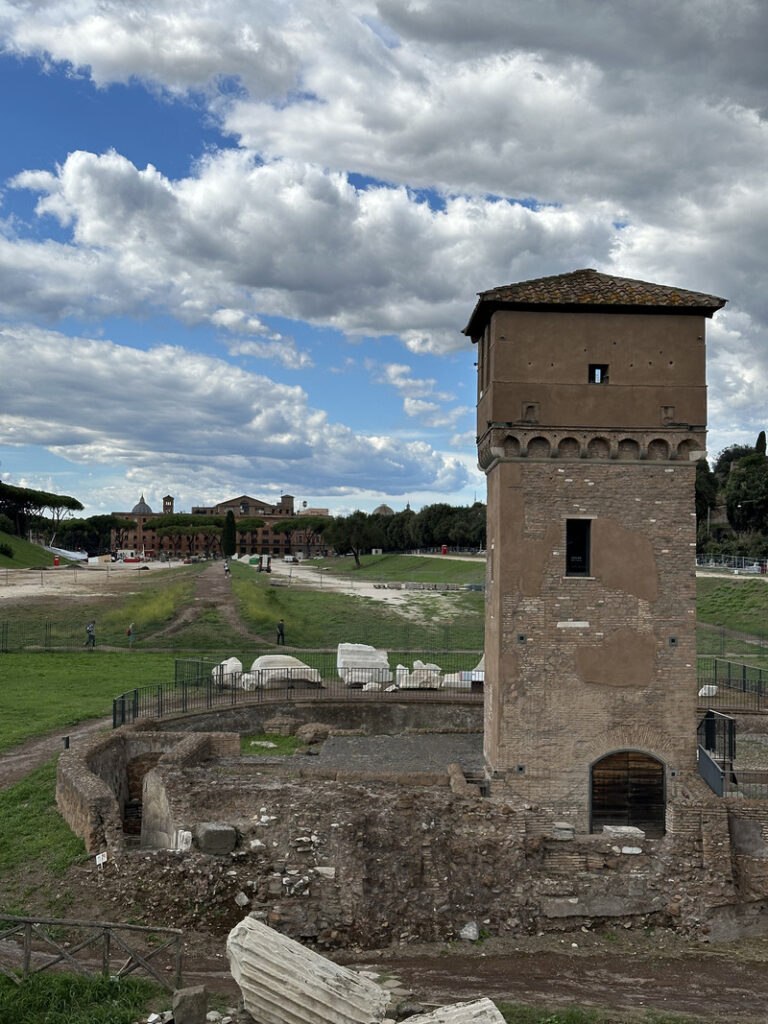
(239,241)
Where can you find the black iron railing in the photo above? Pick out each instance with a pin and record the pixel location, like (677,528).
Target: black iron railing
(202,684)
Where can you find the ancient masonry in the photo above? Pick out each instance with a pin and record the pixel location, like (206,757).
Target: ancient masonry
(591,415)
(589,809)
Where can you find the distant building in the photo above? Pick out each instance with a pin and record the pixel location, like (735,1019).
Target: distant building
(263,540)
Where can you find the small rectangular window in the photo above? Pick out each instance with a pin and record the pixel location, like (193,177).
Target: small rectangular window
(598,373)
(577,536)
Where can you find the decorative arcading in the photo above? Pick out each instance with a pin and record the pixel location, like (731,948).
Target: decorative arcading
(503,442)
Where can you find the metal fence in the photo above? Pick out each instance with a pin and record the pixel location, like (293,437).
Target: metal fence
(65,637)
(747,565)
(732,685)
(202,684)
(31,945)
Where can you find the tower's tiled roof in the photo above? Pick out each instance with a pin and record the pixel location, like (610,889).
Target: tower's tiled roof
(588,288)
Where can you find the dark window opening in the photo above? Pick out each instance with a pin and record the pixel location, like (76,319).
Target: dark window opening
(577,537)
(598,373)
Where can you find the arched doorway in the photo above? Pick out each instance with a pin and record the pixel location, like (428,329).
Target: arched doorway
(627,788)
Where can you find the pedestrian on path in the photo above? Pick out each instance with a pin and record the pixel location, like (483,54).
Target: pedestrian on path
(281,632)
(90,635)
(130,635)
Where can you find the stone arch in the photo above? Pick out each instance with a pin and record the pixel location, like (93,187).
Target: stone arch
(512,446)
(628,449)
(627,787)
(569,448)
(658,449)
(539,448)
(599,448)
(686,448)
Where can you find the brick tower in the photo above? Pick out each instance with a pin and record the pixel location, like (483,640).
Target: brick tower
(591,415)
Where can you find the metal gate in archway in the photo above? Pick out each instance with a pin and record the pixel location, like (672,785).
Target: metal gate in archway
(627,788)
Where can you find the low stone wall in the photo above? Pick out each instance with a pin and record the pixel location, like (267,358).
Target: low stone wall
(376,718)
(93,782)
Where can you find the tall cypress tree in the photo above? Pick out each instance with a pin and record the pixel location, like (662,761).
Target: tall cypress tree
(229,535)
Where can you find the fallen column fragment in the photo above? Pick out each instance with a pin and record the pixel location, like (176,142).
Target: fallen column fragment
(479,1011)
(282,982)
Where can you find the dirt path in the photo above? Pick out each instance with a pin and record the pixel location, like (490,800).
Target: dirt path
(701,983)
(18,762)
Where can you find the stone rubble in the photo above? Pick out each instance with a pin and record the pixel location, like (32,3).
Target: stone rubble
(190,1007)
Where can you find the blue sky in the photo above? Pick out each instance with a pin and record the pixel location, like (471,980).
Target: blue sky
(238,242)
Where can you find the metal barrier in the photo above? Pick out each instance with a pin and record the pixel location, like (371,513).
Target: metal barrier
(201,684)
(711,772)
(732,685)
(34,941)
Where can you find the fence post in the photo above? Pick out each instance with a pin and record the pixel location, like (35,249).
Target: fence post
(105,953)
(136,704)
(27,949)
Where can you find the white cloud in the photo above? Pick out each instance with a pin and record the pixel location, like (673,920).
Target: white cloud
(241,237)
(639,133)
(171,412)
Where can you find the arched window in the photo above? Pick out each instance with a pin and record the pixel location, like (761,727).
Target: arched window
(627,788)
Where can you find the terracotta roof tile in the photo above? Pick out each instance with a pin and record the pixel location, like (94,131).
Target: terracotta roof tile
(590,288)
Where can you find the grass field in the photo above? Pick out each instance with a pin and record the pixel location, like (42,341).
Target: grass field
(322,619)
(25,555)
(42,691)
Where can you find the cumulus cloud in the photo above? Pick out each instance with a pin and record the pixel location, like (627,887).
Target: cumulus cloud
(393,158)
(168,411)
(243,236)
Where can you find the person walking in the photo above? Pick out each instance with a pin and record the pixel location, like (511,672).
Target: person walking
(281,632)
(90,635)
(129,632)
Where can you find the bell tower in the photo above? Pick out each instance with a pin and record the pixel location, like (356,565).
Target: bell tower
(591,416)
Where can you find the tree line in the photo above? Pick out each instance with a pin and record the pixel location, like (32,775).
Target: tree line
(732,502)
(731,516)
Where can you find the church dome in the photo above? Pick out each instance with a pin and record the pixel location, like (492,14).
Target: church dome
(383,510)
(141,508)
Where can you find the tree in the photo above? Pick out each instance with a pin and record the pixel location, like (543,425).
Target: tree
(303,530)
(24,506)
(760,443)
(746,493)
(706,492)
(229,535)
(399,530)
(246,526)
(726,458)
(350,535)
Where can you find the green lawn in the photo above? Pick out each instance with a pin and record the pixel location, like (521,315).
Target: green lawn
(321,619)
(740,605)
(42,692)
(71,999)
(25,555)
